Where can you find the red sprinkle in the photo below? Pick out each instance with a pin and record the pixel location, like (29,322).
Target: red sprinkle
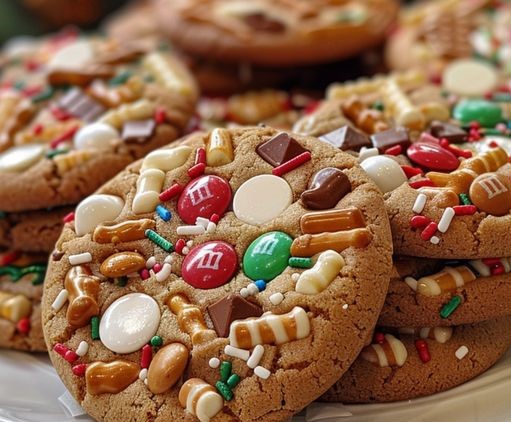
(79,370)
(458,152)
(196,170)
(311,106)
(429,231)
(200,156)
(419,221)
(71,356)
(67,135)
(180,244)
(215,218)
(172,191)
(491,261)
(411,171)
(464,209)
(31,65)
(38,129)
(422,349)
(144,274)
(493,144)
(69,217)
(379,338)
(32,90)
(160,116)
(60,349)
(498,269)
(23,326)
(60,114)
(395,150)
(292,164)
(146,357)
(157,268)
(475,125)
(421,183)
(9,258)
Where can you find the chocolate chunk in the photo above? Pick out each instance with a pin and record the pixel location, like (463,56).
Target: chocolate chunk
(57,255)
(346,138)
(279,149)
(81,105)
(81,77)
(452,133)
(138,130)
(326,189)
(260,22)
(229,309)
(389,138)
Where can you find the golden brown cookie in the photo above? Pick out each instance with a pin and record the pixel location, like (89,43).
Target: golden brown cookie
(405,366)
(185,312)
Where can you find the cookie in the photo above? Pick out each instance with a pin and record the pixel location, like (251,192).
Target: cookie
(191,310)
(34,231)
(105,105)
(433,292)
(405,366)
(275,33)
(21,288)
(442,164)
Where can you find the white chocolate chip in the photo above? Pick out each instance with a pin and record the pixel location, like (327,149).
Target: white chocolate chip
(345,306)
(255,357)
(150,262)
(262,372)
(244,292)
(235,352)
(142,376)
(412,283)
(82,258)
(276,298)
(435,240)
(214,363)
(82,349)
(461,352)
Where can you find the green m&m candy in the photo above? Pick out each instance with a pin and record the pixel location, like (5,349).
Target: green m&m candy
(267,256)
(485,112)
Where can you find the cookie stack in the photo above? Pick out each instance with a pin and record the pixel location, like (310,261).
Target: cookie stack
(74,112)
(441,159)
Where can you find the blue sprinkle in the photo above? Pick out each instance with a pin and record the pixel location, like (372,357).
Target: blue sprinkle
(163,212)
(260,284)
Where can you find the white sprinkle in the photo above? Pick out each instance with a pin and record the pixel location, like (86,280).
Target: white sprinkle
(252,289)
(214,363)
(236,352)
(244,292)
(201,221)
(412,283)
(189,243)
(145,381)
(435,240)
(186,250)
(190,230)
(211,227)
(163,274)
(345,306)
(60,300)
(150,263)
(276,298)
(81,258)
(295,276)
(83,348)
(262,372)
(142,375)
(366,153)
(419,204)
(446,219)
(168,259)
(461,352)
(255,357)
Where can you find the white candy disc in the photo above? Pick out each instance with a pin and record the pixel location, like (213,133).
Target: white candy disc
(20,158)
(129,323)
(72,56)
(469,77)
(261,199)
(94,210)
(385,172)
(96,135)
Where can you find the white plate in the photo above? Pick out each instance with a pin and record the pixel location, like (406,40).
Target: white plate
(30,391)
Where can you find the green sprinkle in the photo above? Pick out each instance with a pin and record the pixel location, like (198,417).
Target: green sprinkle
(11,271)
(55,152)
(450,307)
(378,105)
(38,268)
(159,240)
(38,279)
(156,341)
(465,199)
(224,390)
(44,95)
(300,262)
(3,214)
(225,371)
(121,78)
(94,325)
(121,281)
(19,85)
(233,380)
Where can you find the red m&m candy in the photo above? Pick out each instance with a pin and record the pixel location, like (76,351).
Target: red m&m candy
(432,156)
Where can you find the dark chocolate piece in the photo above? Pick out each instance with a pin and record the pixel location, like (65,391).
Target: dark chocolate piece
(261,22)
(326,189)
(138,131)
(229,309)
(280,149)
(346,138)
(453,133)
(390,138)
(81,105)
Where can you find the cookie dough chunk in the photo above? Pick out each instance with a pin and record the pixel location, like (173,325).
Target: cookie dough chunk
(188,306)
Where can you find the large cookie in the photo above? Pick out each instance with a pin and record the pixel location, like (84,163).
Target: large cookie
(433,292)
(275,33)
(101,105)
(157,301)
(21,288)
(432,360)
